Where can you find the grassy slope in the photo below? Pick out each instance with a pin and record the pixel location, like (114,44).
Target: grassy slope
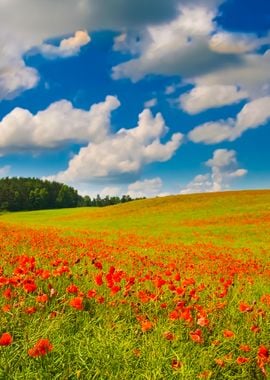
(236,219)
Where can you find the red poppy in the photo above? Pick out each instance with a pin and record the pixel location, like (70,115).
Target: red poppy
(242,360)
(228,334)
(196,336)
(41,348)
(77,303)
(168,335)
(176,364)
(5,339)
(73,289)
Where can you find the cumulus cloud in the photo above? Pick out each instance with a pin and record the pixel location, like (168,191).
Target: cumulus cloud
(236,43)
(253,115)
(57,125)
(112,191)
(26,25)
(252,75)
(15,76)
(179,47)
(68,46)
(201,98)
(124,152)
(223,169)
(146,188)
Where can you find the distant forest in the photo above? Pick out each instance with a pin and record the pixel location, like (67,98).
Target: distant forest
(23,194)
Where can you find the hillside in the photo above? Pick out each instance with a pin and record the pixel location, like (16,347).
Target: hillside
(240,218)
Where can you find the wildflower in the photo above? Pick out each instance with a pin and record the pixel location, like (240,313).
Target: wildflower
(196,336)
(98,279)
(228,334)
(41,348)
(30,287)
(91,293)
(73,289)
(255,329)
(203,321)
(6,308)
(244,307)
(242,360)
(168,335)
(220,362)
(43,298)
(5,339)
(176,364)
(146,325)
(245,347)
(30,310)
(77,303)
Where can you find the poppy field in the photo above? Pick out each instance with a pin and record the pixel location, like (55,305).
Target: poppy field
(168,288)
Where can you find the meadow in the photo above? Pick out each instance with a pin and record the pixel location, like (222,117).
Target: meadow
(168,288)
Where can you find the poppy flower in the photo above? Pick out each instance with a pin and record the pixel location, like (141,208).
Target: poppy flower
(146,325)
(196,336)
(77,303)
(242,360)
(228,334)
(5,339)
(41,348)
(168,335)
(176,364)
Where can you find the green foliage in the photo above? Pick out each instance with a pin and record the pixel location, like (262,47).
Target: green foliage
(26,194)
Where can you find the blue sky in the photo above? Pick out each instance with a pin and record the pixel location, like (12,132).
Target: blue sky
(156,98)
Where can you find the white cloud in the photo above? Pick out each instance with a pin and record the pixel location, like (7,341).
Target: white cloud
(146,188)
(202,98)
(251,73)
(123,153)
(179,47)
(59,124)
(236,43)
(112,191)
(253,115)
(68,46)
(15,76)
(150,103)
(223,169)
(4,170)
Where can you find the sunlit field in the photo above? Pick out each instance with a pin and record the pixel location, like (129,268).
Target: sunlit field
(169,288)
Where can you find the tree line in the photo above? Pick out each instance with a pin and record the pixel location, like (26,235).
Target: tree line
(25,194)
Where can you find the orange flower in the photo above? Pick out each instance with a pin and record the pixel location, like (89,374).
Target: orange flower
(146,325)
(5,339)
(203,321)
(91,294)
(245,347)
(228,334)
(263,352)
(196,336)
(77,303)
(176,364)
(41,348)
(73,289)
(43,298)
(30,310)
(244,307)
(168,335)
(98,279)
(242,360)
(220,362)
